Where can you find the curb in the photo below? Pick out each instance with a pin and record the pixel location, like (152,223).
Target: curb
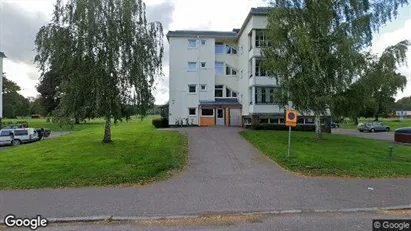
(211,214)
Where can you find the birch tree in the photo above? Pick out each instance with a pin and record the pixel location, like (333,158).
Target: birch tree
(316,47)
(105,50)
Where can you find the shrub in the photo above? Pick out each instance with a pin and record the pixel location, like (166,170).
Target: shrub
(283,127)
(160,123)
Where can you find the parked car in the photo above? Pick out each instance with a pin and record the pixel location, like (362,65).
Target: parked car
(17,136)
(335,125)
(373,126)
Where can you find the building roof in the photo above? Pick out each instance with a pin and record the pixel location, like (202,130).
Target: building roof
(234,34)
(219,102)
(203,34)
(2,55)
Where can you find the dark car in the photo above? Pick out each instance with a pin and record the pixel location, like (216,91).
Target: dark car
(373,126)
(335,125)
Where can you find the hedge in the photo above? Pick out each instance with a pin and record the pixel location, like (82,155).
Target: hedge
(299,127)
(160,123)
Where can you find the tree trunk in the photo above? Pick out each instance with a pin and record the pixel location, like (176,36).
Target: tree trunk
(376,117)
(76,121)
(356,121)
(107,132)
(317,121)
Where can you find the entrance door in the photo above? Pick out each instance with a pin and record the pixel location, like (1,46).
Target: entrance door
(235,117)
(220,117)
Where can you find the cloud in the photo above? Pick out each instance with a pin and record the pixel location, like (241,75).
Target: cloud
(18,30)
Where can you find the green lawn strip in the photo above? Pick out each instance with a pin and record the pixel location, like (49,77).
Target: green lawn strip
(336,155)
(393,123)
(139,154)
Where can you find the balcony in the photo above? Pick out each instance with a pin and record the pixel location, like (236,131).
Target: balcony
(254,52)
(266,108)
(261,81)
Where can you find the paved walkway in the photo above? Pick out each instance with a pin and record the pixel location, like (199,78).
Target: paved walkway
(225,173)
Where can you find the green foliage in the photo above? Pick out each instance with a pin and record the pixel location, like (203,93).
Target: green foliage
(48,87)
(160,123)
(316,47)
(337,155)
(403,103)
(141,155)
(283,127)
(14,104)
(107,55)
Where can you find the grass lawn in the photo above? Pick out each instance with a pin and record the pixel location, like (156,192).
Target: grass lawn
(139,154)
(336,155)
(393,123)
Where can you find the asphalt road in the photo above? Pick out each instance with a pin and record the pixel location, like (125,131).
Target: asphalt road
(388,136)
(225,173)
(306,222)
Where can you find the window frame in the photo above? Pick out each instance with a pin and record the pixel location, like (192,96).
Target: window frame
(189,111)
(229,50)
(202,112)
(228,67)
(222,66)
(258,70)
(265,99)
(201,65)
(218,44)
(218,88)
(203,40)
(189,41)
(201,87)
(188,66)
(189,88)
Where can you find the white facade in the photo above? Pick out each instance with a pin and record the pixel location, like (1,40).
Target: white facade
(242,79)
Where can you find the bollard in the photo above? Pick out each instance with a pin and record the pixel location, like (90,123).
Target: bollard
(390,148)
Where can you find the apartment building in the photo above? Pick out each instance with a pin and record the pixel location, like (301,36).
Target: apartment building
(216,77)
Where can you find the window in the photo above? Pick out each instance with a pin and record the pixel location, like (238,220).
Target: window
(219,48)
(219,68)
(218,90)
(21,132)
(265,95)
(230,93)
(258,68)
(207,112)
(192,88)
(203,87)
(192,66)
(203,64)
(261,38)
(230,50)
(192,111)
(192,43)
(264,121)
(250,40)
(5,133)
(230,71)
(203,42)
(273,121)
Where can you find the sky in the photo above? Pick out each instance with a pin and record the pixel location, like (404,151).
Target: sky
(21,19)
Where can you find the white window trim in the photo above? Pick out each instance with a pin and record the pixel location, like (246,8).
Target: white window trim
(188,67)
(207,115)
(225,68)
(232,47)
(205,65)
(195,111)
(195,87)
(205,85)
(188,44)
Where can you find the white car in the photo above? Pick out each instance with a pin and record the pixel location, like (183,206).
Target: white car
(18,136)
